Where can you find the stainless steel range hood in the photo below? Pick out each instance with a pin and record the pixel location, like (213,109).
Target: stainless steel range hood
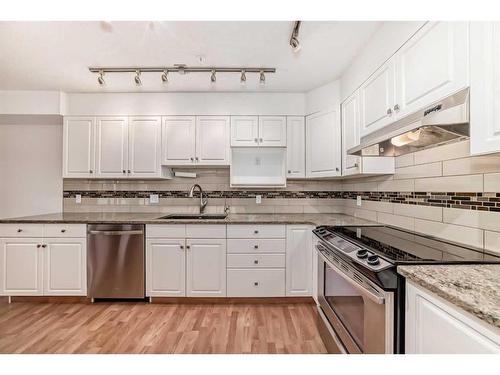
(443,122)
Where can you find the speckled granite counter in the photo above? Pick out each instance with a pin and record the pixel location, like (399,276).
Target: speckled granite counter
(153,218)
(474,288)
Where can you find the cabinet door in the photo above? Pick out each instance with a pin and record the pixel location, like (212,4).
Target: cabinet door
(377,96)
(485,87)
(298,260)
(21,267)
(212,140)
(206,267)
(433,64)
(65,270)
(165,268)
(244,131)
(78,147)
(296,147)
(144,145)
(178,140)
(112,147)
(323,145)
(272,131)
(350,133)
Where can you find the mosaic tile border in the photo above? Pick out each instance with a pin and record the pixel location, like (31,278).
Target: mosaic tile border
(464,200)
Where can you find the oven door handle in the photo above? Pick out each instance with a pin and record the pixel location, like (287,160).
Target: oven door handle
(379,300)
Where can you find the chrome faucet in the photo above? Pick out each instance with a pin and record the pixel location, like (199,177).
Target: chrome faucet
(203,200)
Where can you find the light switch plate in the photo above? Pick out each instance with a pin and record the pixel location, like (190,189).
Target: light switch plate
(358,200)
(154,198)
(78,199)
(258,199)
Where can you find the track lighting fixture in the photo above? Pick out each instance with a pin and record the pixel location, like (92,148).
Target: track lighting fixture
(100,78)
(213,78)
(243,78)
(294,38)
(164,76)
(137,78)
(262,79)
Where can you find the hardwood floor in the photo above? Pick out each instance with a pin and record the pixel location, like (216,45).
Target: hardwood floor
(158,328)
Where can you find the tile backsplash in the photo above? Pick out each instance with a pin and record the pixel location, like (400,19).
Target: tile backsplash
(440,191)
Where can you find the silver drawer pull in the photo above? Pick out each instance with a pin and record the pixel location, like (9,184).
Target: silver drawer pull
(256,231)
(19,230)
(256,283)
(115,232)
(255,261)
(63,230)
(255,246)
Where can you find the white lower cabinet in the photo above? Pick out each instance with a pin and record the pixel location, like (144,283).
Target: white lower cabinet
(256,282)
(434,326)
(298,260)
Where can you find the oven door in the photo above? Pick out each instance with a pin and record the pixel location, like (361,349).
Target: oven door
(360,313)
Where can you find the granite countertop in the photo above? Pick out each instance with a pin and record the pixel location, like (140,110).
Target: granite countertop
(474,288)
(153,218)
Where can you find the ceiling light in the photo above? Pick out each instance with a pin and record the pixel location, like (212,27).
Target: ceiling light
(262,79)
(164,76)
(294,38)
(243,78)
(213,78)
(100,78)
(137,78)
(406,138)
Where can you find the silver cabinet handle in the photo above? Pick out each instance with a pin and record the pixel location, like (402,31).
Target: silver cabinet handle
(63,230)
(91,171)
(260,140)
(256,283)
(356,165)
(389,111)
(192,159)
(115,232)
(44,246)
(129,171)
(255,246)
(337,169)
(19,230)
(188,247)
(38,246)
(182,247)
(256,231)
(255,261)
(289,171)
(256,140)
(396,107)
(124,171)
(196,158)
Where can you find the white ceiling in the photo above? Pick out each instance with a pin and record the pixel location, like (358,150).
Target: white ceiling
(56,55)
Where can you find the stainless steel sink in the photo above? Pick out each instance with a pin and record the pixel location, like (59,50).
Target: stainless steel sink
(194,216)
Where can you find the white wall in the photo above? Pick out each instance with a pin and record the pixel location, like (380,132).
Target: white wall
(384,43)
(322,98)
(185,104)
(30,169)
(31,102)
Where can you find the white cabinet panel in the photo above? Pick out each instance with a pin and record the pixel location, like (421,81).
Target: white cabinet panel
(244,130)
(298,260)
(206,231)
(212,140)
(256,282)
(431,65)
(485,87)
(296,147)
(78,147)
(112,147)
(65,271)
(256,245)
(21,266)
(256,231)
(350,133)
(21,230)
(166,230)
(323,145)
(255,260)
(165,268)
(179,140)
(206,267)
(144,146)
(65,230)
(377,98)
(272,131)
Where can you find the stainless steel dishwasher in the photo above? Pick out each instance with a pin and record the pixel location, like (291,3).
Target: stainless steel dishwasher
(115,260)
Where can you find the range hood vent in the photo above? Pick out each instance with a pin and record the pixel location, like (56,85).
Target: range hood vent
(443,122)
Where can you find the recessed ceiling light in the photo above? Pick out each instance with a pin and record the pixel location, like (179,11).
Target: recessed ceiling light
(137,78)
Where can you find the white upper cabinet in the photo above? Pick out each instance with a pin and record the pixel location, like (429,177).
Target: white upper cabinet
(112,147)
(323,145)
(78,147)
(272,131)
(350,133)
(179,140)
(244,131)
(296,147)
(212,140)
(377,98)
(485,87)
(434,63)
(144,146)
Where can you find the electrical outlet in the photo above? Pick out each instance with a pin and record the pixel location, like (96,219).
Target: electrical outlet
(154,198)
(258,199)
(78,199)
(358,200)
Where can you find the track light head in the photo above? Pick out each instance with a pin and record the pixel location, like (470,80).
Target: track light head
(164,76)
(213,78)
(100,78)
(295,44)
(243,78)
(294,38)
(137,78)
(262,79)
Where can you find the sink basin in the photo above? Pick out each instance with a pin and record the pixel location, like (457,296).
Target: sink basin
(194,216)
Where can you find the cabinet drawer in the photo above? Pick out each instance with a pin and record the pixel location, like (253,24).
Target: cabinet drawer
(255,282)
(166,230)
(256,246)
(65,230)
(21,230)
(256,260)
(255,231)
(206,231)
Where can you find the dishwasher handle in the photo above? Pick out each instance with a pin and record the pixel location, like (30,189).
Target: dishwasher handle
(116,232)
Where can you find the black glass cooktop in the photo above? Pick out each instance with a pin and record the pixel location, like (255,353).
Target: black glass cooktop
(404,247)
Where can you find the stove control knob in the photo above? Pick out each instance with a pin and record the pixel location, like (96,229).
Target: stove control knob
(362,253)
(373,260)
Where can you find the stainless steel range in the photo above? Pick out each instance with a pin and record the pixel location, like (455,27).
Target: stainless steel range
(361,296)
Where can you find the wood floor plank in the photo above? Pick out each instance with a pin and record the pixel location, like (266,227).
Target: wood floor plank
(28,327)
